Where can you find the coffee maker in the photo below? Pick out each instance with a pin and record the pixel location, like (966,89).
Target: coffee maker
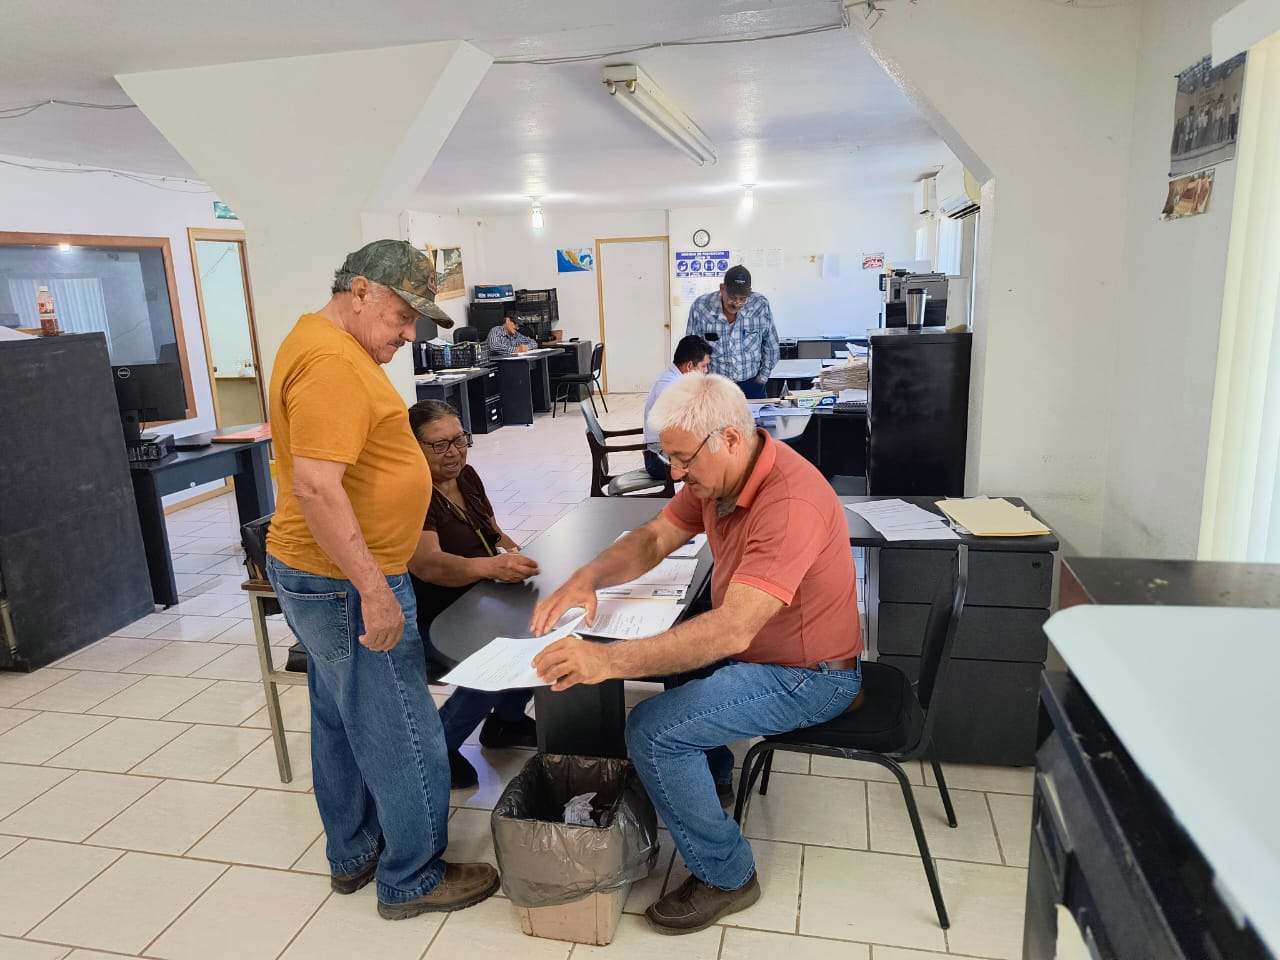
(914,299)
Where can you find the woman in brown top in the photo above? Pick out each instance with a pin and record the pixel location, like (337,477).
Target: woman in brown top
(460,545)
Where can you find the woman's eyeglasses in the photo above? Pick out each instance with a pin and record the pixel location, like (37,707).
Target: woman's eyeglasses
(441,447)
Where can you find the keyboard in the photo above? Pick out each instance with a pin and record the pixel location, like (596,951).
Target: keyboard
(850,406)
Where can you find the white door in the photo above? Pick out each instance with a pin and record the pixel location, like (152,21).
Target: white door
(633,285)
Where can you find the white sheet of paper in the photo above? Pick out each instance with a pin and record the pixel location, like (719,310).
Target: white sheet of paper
(631,619)
(899,520)
(505,663)
(692,548)
(644,591)
(671,572)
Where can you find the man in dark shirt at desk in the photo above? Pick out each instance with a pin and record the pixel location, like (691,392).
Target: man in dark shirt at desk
(506,340)
(783,629)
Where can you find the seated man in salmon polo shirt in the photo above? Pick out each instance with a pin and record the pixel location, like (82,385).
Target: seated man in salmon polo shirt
(783,627)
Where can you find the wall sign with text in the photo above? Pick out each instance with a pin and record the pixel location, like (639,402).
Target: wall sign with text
(702,263)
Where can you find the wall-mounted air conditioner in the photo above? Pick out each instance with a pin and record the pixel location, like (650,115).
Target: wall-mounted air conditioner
(959,194)
(925,197)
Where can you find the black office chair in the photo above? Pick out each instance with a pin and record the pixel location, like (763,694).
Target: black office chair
(893,725)
(632,482)
(466,335)
(565,382)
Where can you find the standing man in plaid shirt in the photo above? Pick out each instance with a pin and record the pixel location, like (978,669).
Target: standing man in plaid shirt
(739,325)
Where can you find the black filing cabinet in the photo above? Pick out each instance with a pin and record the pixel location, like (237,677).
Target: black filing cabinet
(917,412)
(988,698)
(485,400)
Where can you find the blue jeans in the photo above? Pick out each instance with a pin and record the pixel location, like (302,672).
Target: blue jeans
(377,747)
(753,388)
(465,708)
(668,734)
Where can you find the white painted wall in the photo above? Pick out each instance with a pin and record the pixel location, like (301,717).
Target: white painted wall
(1166,338)
(39,202)
(513,252)
(1036,99)
(804,303)
(450,230)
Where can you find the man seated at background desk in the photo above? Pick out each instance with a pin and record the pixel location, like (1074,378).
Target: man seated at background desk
(784,627)
(693,355)
(506,340)
(461,544)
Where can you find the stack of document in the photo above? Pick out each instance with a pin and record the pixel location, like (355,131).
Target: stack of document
(995,517)
(899,520)
(669,580)
(630,619)
(690,549)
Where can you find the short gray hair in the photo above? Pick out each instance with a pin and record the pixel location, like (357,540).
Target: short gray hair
(702,404)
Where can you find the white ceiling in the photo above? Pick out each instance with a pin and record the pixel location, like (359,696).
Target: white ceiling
(801,114)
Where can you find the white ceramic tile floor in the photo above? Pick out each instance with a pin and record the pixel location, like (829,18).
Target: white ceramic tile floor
(192,825)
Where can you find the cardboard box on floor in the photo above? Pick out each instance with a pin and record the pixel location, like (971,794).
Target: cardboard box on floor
(593,919)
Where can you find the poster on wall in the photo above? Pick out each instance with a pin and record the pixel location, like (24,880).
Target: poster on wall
(580,260)
(1188,196)
(873,261)
(701,263)
(449,278)
(1206,115)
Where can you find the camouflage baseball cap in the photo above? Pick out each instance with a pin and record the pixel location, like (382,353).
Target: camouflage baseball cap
(404,268)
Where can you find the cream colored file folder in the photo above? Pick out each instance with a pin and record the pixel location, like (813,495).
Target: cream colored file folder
(995,517)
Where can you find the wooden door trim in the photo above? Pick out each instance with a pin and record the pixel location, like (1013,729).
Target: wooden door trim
(238,237)
(666,273)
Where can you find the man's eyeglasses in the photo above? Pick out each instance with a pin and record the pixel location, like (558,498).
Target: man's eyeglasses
(679,462)
(441,447)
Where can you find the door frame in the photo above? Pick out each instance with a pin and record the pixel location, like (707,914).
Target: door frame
(234,236)
(666,282)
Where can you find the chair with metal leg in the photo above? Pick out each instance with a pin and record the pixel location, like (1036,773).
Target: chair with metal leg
(893,726)
(566,382)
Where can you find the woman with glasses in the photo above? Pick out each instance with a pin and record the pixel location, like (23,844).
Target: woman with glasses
(461,544)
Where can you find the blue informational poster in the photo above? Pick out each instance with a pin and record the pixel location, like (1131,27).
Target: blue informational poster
(581,260)
(702,263)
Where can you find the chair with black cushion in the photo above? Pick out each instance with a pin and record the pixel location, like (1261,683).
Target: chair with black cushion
(893,725)
(466,335)
(566,382)
(636,483)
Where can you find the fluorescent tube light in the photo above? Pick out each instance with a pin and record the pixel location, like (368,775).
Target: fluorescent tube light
(631,87)
(535,215)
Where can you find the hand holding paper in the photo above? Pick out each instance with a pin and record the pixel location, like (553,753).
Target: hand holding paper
(506,663)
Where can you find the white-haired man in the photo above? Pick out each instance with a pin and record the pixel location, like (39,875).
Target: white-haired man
(783,626)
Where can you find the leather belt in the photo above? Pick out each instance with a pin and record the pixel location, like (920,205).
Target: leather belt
(850,664)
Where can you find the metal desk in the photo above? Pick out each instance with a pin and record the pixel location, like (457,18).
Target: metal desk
(248,464)
(585,720)
(987,706)
(526,384)
(443,389)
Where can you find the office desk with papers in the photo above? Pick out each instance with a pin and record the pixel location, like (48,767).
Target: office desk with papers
(988,701)
(586,720)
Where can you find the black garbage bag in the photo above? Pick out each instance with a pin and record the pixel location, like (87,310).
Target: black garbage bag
(546,862)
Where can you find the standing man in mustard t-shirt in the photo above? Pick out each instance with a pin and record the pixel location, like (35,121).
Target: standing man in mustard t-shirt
(354,489)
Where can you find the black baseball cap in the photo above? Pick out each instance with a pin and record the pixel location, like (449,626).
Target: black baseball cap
(737,280)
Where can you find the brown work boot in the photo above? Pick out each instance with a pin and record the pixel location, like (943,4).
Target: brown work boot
(463,885)
(695,905)
(354,881)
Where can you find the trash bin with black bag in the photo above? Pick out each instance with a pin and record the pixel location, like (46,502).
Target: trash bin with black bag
(569,880)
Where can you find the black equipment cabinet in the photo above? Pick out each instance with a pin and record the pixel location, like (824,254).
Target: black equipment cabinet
(484,397)
(72,564)
(917,412)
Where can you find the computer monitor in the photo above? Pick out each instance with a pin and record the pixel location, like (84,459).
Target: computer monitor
(146,393)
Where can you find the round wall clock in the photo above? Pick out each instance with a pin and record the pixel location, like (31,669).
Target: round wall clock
(701,238)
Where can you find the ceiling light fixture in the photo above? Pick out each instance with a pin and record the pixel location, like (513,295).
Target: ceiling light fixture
(535,215)
(631,87)
(748,198)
